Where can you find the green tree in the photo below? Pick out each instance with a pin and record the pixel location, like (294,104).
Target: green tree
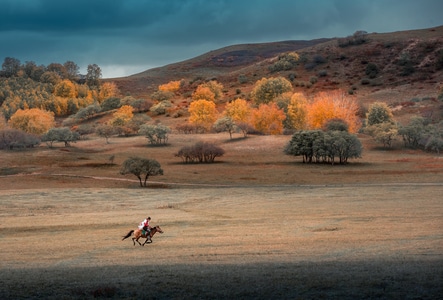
(10,66)
(142,168)
(225,124)
(156,134)
(93,75)
(71,70)
(378,113)
(267,89)
(105,131)
(413,132)
(384,133)
(62,134)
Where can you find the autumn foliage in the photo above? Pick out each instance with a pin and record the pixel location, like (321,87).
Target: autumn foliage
(34,120)
(268,119)
(333,105)
(202,113)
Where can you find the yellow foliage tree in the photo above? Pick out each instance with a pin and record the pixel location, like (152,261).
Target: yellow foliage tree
(65,89)
(297,111)
(202,113)
(171,86)
(333,105)
(238,110)
(215,87)
(34,120)
(108,90)
(268,119)
(122,116)
(203,93)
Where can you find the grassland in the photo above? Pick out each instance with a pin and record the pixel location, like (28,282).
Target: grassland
(256,224)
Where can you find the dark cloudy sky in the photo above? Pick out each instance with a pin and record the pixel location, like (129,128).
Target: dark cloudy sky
(129,36)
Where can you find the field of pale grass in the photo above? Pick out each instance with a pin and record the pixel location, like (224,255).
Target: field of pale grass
(255,225)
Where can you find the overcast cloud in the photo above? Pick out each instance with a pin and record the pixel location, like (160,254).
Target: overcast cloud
(125,37)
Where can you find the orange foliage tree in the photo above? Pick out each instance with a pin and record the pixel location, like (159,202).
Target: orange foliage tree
(268,119)
(202,113)
(34,120)
(333,105)
(122,116)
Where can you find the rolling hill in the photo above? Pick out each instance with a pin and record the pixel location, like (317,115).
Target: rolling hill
(404,69)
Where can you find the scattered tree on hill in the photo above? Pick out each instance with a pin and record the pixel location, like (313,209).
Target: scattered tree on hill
(122,116)
(88,112)
(268,119)
(267,89)
(203,93)
(378,113)
(108,90)
(106,131)
(238,110)
(142,168)
(200,152)
(34,120)
(62,134)
(380,124)
(202,113)
(110,104)
(93,75)
(384,133)
(156,134)
(225,124)
(414,132)
(161,108)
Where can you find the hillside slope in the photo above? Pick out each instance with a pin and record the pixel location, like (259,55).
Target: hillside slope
(408,68)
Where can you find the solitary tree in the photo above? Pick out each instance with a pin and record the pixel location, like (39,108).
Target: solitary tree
(225,124)
(142,168)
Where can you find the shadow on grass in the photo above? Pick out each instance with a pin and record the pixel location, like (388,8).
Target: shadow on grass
(376,279)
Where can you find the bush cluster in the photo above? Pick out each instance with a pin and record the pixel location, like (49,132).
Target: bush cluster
(324,146)
(200,152)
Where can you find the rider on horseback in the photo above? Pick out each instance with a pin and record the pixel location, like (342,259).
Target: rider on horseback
(144,225)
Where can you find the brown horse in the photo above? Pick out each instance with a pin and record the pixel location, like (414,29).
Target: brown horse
(138,233)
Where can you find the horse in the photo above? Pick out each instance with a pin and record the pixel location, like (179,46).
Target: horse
(138,233)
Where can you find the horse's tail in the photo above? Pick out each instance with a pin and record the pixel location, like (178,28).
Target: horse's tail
(128,235)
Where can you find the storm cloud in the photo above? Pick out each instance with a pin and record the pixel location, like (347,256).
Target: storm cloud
(130,36)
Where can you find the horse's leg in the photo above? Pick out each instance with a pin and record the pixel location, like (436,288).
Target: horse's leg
(133,240)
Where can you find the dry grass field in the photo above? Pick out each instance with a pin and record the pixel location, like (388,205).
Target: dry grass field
(255,225)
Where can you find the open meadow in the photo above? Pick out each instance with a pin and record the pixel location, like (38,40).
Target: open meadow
(256,224)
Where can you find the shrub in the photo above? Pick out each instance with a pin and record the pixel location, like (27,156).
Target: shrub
(200,152)
(16,139)
(372,70)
